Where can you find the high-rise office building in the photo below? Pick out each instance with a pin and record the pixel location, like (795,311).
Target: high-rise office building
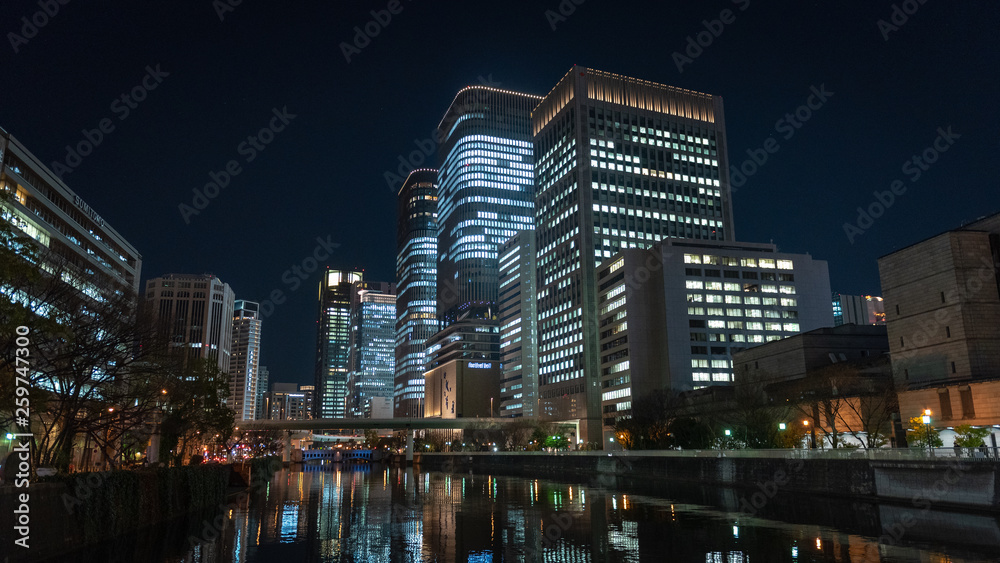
(333,339)
(371,359)
(620,163)
(858,309)
(244,374)
(289,401)
(672,315)
(485,195)
(519,386)
(197,310)
(416,284)
(263,381)
(94,255)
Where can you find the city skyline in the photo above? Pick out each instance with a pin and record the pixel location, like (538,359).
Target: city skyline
(155,133)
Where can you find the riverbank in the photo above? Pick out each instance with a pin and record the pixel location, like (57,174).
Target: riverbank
(946,484)
(81,509)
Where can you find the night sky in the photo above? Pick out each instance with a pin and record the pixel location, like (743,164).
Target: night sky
(219,80)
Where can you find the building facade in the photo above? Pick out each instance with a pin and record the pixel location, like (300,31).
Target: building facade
(40,206)
(671,316)
(620,163)
(197,310)
(416,283)
(518,331)
(289,401)
(263,384)
(485,195)
(333,343)
(858,309)
(244,366)
(942,302)
(371,359)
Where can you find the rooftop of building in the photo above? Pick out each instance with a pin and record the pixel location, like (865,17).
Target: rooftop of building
(985,224)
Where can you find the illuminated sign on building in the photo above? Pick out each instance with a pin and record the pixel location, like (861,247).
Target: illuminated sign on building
(480,365)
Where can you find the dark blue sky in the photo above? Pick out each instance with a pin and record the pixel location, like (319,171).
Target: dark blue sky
(322,175)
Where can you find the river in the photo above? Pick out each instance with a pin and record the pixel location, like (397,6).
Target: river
(376,513)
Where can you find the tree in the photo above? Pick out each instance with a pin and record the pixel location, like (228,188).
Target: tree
(920,434)
(691,434)
(968,436)
(195,410)
(90,375)
(648,426)
(556,442)
(755,417)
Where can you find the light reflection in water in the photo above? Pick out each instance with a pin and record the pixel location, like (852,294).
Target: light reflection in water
(373,514)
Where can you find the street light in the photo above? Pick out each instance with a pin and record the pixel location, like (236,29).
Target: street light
(927,425)
(781,426)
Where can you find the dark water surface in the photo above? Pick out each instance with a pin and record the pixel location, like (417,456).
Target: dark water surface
(374,513)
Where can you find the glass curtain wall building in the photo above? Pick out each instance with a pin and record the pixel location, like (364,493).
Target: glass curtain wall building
(333,343)
(416,284)
(372,361)
(485,196)
(89,254)
(620,163)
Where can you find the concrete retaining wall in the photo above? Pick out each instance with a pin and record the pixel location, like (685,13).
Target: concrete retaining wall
(941,484)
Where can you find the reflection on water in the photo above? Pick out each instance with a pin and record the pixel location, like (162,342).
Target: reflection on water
(376,513)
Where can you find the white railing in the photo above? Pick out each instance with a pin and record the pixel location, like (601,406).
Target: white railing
(888,454)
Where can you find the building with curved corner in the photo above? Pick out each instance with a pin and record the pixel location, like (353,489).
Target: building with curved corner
(416,285)
(485,195)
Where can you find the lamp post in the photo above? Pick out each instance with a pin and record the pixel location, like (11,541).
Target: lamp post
(812,433)
(927,426)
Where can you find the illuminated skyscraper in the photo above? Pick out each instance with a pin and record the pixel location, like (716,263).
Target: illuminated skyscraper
(371,361)
(485,195)
(621,163)
(333,343)
(416,279)
(518,331)
(244,376)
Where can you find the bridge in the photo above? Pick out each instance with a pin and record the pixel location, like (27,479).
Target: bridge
(406,424)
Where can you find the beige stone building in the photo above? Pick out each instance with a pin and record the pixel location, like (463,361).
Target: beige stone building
(942,305)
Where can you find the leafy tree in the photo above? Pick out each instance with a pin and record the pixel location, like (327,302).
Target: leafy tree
(557,442)
(921,434)
(968,436)
(692,434)
(195,410)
